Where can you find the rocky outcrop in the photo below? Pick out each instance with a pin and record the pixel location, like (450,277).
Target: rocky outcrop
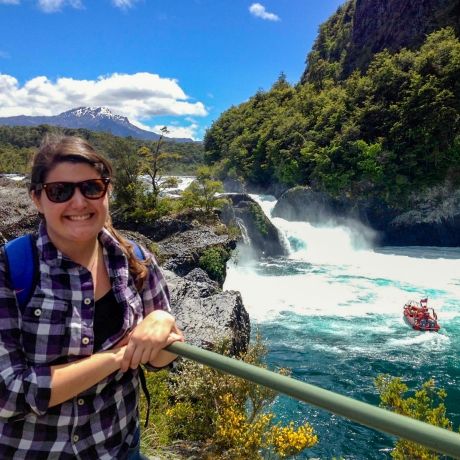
(259,234)
(395,24)
(18,214)
(155,231)
(433,218)
(305,204)
(206,314)
(182,251)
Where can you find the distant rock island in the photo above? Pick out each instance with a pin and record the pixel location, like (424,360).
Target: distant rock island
(92,118)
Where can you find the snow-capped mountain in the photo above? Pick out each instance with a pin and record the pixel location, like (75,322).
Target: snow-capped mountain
(92,118)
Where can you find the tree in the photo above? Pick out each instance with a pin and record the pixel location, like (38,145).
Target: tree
(153,161)
(203,192)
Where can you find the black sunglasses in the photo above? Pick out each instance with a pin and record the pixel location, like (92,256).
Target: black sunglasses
(59,192)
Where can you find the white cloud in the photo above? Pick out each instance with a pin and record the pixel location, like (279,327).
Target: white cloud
(51,6)
(4,55)
(258,10)
(187,132)
(139,97)
(123,4)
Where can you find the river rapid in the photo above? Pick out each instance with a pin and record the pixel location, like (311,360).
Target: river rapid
(331,311)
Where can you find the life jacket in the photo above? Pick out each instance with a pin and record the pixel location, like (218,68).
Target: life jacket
(22,268)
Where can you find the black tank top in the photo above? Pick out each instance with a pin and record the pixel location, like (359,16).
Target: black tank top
(108,319)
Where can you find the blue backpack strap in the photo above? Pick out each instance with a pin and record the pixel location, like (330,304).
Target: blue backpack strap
(141,256)
(22,266)
(137,250)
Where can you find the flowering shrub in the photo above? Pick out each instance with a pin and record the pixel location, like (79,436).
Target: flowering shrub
(240,437)
(425,404)
(288,440)
(226,414)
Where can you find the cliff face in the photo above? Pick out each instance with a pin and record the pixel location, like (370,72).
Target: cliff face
(396,24)
(361,28)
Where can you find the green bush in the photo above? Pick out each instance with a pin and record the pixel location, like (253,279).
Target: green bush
(425,404)
(213,262)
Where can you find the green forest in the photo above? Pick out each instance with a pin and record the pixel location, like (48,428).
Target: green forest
(386,130)
(18,143)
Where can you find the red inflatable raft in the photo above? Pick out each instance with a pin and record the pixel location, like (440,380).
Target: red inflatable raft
(420,317)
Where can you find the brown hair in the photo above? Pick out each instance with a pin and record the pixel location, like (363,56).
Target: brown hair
(59,149)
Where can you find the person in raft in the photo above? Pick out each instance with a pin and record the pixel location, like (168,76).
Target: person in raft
(69,362)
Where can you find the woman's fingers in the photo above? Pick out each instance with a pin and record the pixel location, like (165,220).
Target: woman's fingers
(137,358)
(126,361)
(173,337)
(155,332)
(146,356)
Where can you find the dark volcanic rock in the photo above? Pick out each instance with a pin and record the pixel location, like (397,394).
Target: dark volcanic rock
(182,251)
(433,220)
(18,214)
(260,234)
(206,314)
(156,231)
(304,204)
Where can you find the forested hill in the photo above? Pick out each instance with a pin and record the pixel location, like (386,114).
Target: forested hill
(389,128)
(18,144)
(362,28)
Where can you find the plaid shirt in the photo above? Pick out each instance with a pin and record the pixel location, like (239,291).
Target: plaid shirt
(57,327)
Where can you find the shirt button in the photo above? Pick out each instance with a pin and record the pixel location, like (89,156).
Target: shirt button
(80,401)
(37,312)
(87,301)
(85,340)
(75,438)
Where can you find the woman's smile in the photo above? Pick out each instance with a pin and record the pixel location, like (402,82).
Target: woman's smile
(79,217)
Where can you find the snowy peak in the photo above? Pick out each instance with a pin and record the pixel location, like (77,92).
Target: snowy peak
(94,113)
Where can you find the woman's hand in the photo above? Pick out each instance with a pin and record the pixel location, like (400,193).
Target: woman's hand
(156,331)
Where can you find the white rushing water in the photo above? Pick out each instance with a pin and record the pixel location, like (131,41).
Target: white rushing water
(336,272)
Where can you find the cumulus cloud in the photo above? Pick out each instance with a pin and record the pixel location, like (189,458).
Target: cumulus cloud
(51,6)
(258,10)
(187,132)
(123,4)
(139,96)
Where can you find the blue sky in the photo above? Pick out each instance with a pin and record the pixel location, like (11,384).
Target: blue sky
(178,63)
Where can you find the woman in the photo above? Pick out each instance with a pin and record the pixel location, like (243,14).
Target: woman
(69,361)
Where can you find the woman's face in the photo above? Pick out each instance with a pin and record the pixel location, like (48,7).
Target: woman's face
(78,220)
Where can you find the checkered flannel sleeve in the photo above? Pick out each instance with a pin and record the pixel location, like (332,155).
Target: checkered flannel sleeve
(23,388)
